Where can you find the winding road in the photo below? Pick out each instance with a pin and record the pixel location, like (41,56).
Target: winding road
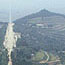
(46,59)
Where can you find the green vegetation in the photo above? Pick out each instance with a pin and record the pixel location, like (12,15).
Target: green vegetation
(34,38)
(52,57)
(62,57)
(3,52)
(3,57)
(38,56)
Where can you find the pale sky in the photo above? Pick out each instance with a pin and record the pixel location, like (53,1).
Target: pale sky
(25,7)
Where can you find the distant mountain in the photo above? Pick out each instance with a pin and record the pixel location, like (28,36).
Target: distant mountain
(42,13)
(43,27)
(43,30)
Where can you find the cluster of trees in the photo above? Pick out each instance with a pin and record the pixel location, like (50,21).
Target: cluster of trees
(23,57)
(3,57)
(62,57)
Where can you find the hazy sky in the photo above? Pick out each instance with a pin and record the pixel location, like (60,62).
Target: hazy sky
(24,7)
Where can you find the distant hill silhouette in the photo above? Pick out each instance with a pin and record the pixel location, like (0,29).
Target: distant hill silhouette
(41,13)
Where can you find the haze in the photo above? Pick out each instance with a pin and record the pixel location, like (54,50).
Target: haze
(21,8)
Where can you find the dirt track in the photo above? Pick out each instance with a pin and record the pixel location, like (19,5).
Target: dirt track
(45,61)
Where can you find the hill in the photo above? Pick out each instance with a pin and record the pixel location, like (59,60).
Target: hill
(42,13)
(43,30)
(42,38)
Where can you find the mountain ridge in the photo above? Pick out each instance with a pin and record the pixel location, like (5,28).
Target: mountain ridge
(41,13)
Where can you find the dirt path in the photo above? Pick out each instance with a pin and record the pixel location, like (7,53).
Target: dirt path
(49,62)
(46,59)
(53,61)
